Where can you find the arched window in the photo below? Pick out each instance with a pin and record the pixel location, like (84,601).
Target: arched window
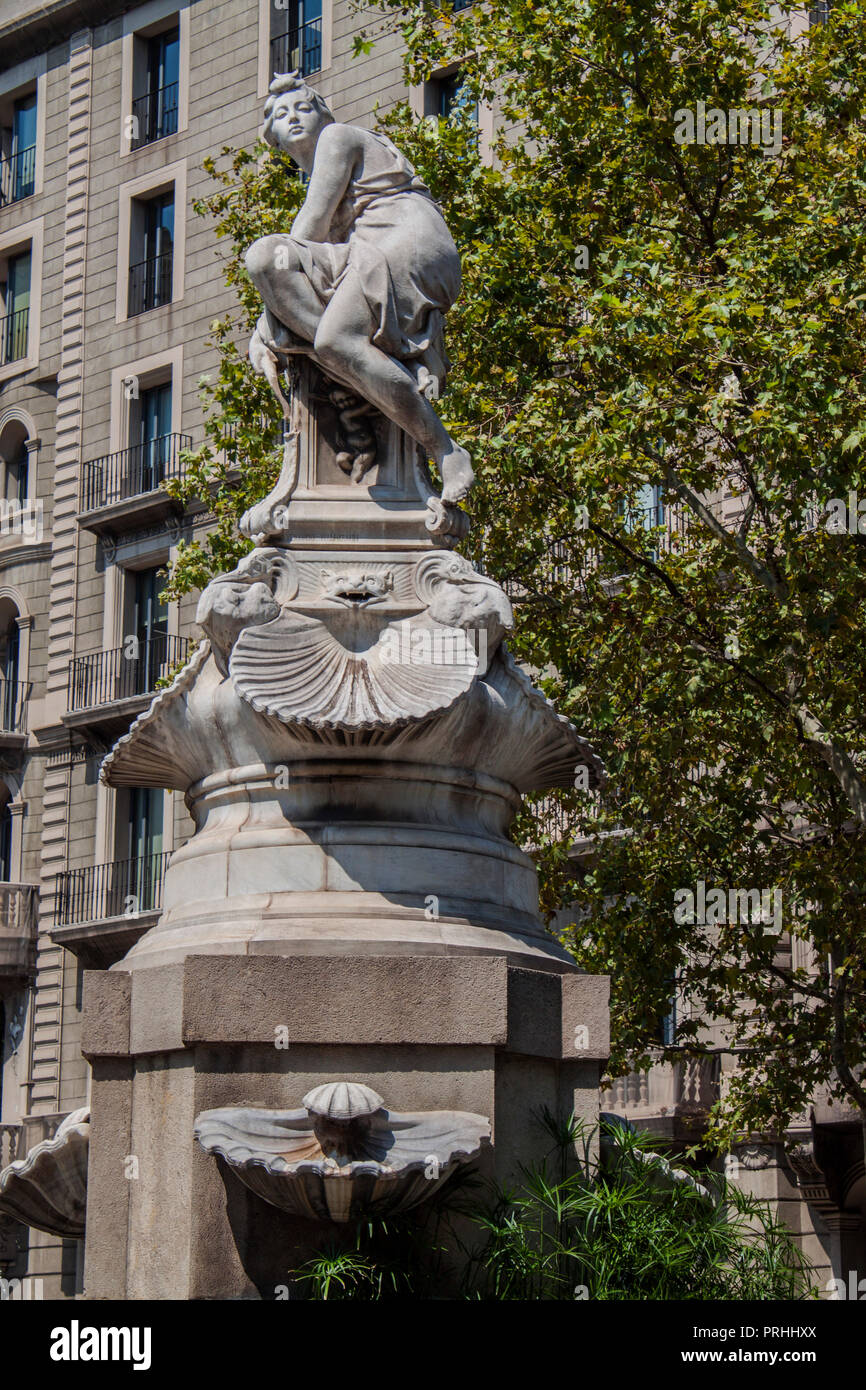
(15,459)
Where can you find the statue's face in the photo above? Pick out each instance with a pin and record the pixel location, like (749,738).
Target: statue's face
(296,121)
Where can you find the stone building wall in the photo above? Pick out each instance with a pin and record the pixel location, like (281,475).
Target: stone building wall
(67,586)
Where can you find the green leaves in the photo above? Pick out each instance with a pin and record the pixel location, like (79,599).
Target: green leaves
(712,347)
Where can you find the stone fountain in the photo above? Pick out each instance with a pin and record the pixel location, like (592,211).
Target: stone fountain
(350,918)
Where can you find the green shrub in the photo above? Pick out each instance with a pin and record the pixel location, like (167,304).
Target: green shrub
(619,1225)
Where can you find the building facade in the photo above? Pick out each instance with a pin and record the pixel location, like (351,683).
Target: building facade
(109,281)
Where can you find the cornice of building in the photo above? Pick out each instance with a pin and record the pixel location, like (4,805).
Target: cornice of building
(28,27)
(24,553)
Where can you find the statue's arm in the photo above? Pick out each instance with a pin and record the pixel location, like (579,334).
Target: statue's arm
(337,152)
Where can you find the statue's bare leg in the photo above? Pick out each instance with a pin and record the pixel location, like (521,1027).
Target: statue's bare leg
(274,266)
(343,347)
(341,335)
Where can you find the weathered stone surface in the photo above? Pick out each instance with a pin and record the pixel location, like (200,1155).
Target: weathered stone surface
(107,998)
(335,1000)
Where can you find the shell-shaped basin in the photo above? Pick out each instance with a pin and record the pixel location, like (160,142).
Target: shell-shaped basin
(48,1188)
(371,1161)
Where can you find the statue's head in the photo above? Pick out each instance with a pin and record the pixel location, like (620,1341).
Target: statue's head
(295,115)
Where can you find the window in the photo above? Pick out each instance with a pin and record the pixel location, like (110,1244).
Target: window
(296,37)
(142,833)
(139,858)
(646,511)
(15,320)
(145,628)
(15,459)
(151,253)
(154,73)
(151,232)
(150,438)
(18,168)
(455,101)
(9,664)
(819,14)
(5,834)
(666,1032)
(17,473)
(156,79)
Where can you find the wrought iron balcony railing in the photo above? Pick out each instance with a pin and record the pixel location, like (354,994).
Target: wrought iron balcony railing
(13,336)
(154,115)
(131,472)
(123,888)
(133,669)
(13,706)
(298,50)
(150,284)
(17,175)
(18,912)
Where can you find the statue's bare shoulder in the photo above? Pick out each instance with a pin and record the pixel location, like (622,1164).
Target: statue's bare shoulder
(342,142)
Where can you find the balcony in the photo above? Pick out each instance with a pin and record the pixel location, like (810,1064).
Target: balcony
(107,689)
(299,49)
(670,1100)
(18,914)
(14,696)
(154,115)
(13,336)
(127,485)
(10,1136)
(101,910)
(553,821)
(17,176)
(150,284)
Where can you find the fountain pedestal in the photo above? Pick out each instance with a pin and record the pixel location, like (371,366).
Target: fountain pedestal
(463,1034)
(353,740)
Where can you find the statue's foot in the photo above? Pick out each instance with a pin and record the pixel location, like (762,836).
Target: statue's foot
(457,475)
(362,465)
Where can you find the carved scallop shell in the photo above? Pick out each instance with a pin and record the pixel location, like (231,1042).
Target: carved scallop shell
(48,1188)
(342,1100)
(401,1159)
(296,669)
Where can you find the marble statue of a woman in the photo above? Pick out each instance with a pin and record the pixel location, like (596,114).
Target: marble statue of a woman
(364,278)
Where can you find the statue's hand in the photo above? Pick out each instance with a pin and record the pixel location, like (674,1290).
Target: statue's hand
(262,358)
(264,361)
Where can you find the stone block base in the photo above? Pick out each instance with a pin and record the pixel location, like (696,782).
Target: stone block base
(165,1221)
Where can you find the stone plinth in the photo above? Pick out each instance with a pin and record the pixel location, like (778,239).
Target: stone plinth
(167,1221)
